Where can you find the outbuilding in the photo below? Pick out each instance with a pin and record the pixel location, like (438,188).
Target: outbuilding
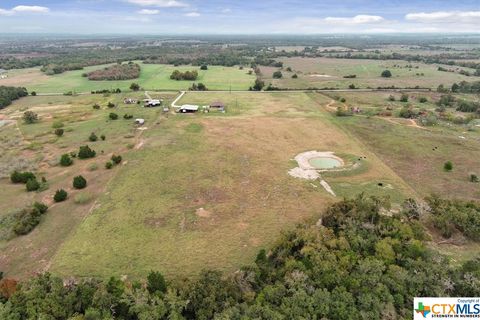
(217,105)
(152,102)
(188,108)
(139,121)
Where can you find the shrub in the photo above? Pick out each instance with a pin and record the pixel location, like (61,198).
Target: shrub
(343,100)
(342,112)
(93,137)
(79,182)
(30,117)
(57,124)
(187,75)
(404,97)
(33,93)
(407,113)
(83,198)
(109,165)
(386,74)
(422,100)
(59,132)
(351,86)
(113,116)
(92,167)
(21,177)
(474,178)
(127,116)
(85,152)
(135,86)
(41,207)
(27,220)
(277,75)
(448,166)
(103,137)
(65,160)
(96,106)
(32,185)
(295,76)
(116,159)
(111,105)
(391,98)
(156,282)
(204,67)
(60,195)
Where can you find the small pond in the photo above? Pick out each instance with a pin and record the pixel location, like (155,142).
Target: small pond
(325,163)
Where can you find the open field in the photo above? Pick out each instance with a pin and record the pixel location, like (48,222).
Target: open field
(329,73)
(152,77)
(208,190)
(201,191)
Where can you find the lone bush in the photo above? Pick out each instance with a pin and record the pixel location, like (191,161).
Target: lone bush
(111,105)
(109,165)
(30,117)
(391,98)
(474,178)
(60,195)
(59,132)
(103,137)
(41,207)
(448,166)
(65,160)
(113,116)
(79,182)
(57,124)
(96,106)
(85,152)
(404,98)
(422,100)
(295,76)
(386,74)
(277,75)
(134,87)
(32,185)
(93,137)
(116,159)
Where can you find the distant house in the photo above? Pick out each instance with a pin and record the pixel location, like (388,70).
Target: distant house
(188,108)
(217,105)
(152,102)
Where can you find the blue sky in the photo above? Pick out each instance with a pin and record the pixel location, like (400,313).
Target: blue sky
(238,17)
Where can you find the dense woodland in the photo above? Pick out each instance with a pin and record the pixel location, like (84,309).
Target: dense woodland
(355,263)
(116,72)
(9,94)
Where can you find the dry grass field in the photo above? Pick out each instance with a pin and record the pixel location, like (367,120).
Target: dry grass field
(329,73)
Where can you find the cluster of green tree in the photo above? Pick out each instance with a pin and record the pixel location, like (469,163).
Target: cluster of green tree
(106,91)
(22,221)
(466,87)
(227,59)
(9,94)
(116,72)
(463,105)
(266,61)
(455,215)
(29,179)
(187,75)
(198,87)
(355,263)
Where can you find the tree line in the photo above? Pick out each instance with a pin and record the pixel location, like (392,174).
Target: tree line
(354,263)
(115,72)
(9,94)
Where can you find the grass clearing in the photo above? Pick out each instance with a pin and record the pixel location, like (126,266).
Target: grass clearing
(152,77)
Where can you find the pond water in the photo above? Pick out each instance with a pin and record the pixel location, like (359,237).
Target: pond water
(325,163)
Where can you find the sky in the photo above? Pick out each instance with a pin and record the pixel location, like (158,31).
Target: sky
(238,17)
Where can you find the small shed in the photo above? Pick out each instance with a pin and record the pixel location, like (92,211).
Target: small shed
(139,121)
(217,105)
(188,108)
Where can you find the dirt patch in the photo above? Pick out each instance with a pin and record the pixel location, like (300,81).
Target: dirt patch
(201,212)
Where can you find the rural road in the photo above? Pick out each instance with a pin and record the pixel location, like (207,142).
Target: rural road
(292,90)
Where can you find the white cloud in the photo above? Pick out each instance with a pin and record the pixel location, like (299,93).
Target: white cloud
(34,9)
(24,9)
(149,11)
(358,19)
(226,10)
(158,3)
(445,16)
(192,14)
